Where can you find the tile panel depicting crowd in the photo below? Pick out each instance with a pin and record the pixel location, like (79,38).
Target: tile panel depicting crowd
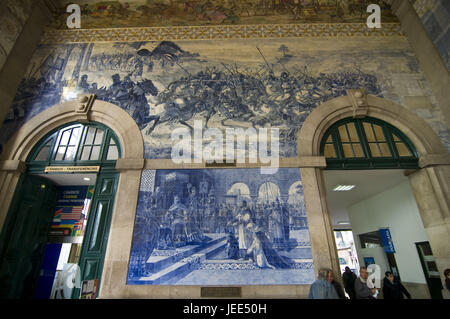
(221,227)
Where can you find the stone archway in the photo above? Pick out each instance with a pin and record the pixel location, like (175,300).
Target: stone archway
(430,184)
(86,109)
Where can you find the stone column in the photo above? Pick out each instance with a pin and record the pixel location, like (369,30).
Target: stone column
(321,231)
(429,58)
(431,188)
(10,172)
(115,269)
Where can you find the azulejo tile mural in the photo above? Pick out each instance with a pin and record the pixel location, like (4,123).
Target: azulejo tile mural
(238,83)
(137,13)
(220,227)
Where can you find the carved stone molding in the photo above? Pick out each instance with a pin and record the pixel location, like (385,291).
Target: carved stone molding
(84,105)
(434,160)
(358,98)
(124,164)
(13,166)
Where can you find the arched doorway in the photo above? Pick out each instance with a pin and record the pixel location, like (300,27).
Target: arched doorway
(429,183)
(13,165)
(269,193)
(239,189)
(63,205)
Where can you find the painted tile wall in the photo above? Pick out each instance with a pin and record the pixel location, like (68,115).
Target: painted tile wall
(220,227)
(225,83)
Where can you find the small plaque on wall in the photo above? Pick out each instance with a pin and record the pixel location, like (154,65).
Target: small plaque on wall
(223,292)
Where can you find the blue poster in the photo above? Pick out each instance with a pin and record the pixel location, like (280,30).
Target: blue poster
(386,239)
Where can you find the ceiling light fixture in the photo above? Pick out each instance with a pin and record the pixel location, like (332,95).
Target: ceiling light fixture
(343,188)
(343,223)
(87,179)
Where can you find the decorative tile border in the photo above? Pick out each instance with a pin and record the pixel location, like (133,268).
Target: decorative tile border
(219,32)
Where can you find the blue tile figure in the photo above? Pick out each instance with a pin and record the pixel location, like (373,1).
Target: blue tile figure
(207,227)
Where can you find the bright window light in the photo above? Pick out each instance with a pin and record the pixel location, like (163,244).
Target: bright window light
(343,188)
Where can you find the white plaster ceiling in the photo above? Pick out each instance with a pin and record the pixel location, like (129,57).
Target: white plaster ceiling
(368,183)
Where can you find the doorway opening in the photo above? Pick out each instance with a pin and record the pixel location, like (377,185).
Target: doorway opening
(55,235)
(59,266)
(369,194)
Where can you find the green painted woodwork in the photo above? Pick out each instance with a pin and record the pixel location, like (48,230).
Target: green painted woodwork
(24,236)
(45,153)
(374,144)
(97,231)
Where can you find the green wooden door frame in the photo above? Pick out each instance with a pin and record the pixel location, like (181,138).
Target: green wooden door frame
(340,162)
(52,142)
(97,231)
(100,215)
(24,236)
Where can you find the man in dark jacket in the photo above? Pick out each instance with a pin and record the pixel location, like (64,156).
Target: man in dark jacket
(348,278)
(393,289)
(362,291)
(336,286)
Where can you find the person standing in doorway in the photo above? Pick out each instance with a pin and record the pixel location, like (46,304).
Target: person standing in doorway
(447,278)
(362,291)
(337,286)
(349,277)
(392,288)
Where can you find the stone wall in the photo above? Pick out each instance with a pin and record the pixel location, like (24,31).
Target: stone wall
(14,15)
(435,16)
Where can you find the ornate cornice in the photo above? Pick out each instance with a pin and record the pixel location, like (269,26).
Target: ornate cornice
(310,30)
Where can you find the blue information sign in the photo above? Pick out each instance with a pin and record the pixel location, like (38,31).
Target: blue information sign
(386,239)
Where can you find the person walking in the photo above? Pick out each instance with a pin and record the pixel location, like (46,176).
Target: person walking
(321,288)
(337,286)
(393,289)
(362,291)
(348,278)
(447,278)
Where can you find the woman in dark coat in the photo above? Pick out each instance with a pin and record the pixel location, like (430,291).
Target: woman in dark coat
(393,289)
(447,278)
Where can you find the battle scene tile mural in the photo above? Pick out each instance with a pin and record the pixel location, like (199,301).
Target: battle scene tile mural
(251,83)
(220,227)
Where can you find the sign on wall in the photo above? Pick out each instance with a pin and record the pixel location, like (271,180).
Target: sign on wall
(386,239)
(71,211)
